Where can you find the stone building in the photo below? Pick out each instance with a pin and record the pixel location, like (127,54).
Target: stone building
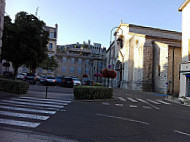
(76,60)
(145,58)
(185,64)
(2,11)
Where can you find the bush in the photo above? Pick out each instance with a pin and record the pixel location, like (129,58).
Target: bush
(97,84)
(93,92)
(14,86)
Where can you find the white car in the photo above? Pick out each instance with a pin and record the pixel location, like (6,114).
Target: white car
(76,82)
(21,76)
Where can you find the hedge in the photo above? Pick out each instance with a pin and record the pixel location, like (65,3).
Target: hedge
(93,92)
(14,86)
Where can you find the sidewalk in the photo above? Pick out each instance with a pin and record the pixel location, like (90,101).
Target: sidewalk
(182,101)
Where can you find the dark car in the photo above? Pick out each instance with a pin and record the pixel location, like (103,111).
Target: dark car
(59,79)
(67,82)
(30,77)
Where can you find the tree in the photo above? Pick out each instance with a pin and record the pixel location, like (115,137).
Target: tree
(49,64)
(24,41)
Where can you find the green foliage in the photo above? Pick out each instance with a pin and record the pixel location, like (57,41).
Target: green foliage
(93,92)
(24,41)
(97,84)
(14,86)
(49,64)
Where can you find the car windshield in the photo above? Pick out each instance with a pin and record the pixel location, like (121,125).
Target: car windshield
(30,74)
(50,77)
(68,79)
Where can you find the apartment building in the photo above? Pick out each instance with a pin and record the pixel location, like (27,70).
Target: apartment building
(185,64)
(79,59)
(2,11)
(146,58)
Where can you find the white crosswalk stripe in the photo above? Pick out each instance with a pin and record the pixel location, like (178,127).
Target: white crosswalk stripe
(121,98)
(166,103)
(132,100)
(29,111)
(154,102)
(148,103)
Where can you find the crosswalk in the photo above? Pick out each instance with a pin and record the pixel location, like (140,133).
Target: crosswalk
(133,103)
(29,111)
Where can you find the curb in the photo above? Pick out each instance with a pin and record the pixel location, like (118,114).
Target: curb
(179,101)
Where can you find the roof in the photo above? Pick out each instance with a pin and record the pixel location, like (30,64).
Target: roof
(183,5)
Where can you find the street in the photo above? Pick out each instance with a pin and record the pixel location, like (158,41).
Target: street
(131,116)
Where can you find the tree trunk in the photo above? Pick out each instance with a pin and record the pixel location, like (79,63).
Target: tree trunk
(15,72)
(108,81)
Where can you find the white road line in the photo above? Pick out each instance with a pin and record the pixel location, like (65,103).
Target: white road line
(19,123)
(24,115)
(119,105)
(133,106)
(154,102)
(121,99)
(132,100)
(105,103)
(146,107)
(147,103)
(27,109)
(183,133)
(122,118)
(37,101)
(54,100)
(23,105)
(163,102)
(32,104)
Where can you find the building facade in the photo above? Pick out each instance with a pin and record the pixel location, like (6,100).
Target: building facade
(185,64)
(79,59)
(2,11)
(145,58)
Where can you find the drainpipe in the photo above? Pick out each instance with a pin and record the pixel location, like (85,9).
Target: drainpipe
(173,72)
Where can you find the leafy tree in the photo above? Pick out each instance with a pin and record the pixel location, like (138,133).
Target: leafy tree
(24,41)
(49,64)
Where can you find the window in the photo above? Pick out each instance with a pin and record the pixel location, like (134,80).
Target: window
(87,70)
(72,70)
(63,69)
(50,46)
(64,59)
(79,61)
(73,60)
(87,61)
(51,35)
(79,70)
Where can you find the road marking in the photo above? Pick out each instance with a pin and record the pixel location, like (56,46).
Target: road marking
(133,106)
(54,100)
(122,118)
(105,103)
(19,123)
(36,107)
(154,102)
(32,104)
(163,102)
(27,109)
(183,133)
(24,115)
(146,107)
(132,100)
(147,103)
(37,101)
(121,99)
(119,105)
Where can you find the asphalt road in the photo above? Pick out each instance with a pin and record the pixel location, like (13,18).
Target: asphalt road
(130,117)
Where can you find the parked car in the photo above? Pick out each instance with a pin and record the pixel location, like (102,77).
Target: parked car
(59,79)
(86,81)
(49,80)
(42,79)
(76,82)
(67,82)
(30,77)
(20,76)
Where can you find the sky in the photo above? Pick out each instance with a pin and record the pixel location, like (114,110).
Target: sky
(83,20)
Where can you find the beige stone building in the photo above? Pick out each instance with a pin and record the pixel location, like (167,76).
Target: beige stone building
(75,60)
(146,58)
(185,64)
(2,11)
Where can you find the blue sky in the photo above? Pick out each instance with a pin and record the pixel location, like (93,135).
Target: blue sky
(80,20)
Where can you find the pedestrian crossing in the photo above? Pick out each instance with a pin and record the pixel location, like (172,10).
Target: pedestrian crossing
(29,111)
(146,103)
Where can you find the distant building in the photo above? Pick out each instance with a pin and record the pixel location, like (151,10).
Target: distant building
(145,58)
(79,59)
(2,11)
(185,64)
